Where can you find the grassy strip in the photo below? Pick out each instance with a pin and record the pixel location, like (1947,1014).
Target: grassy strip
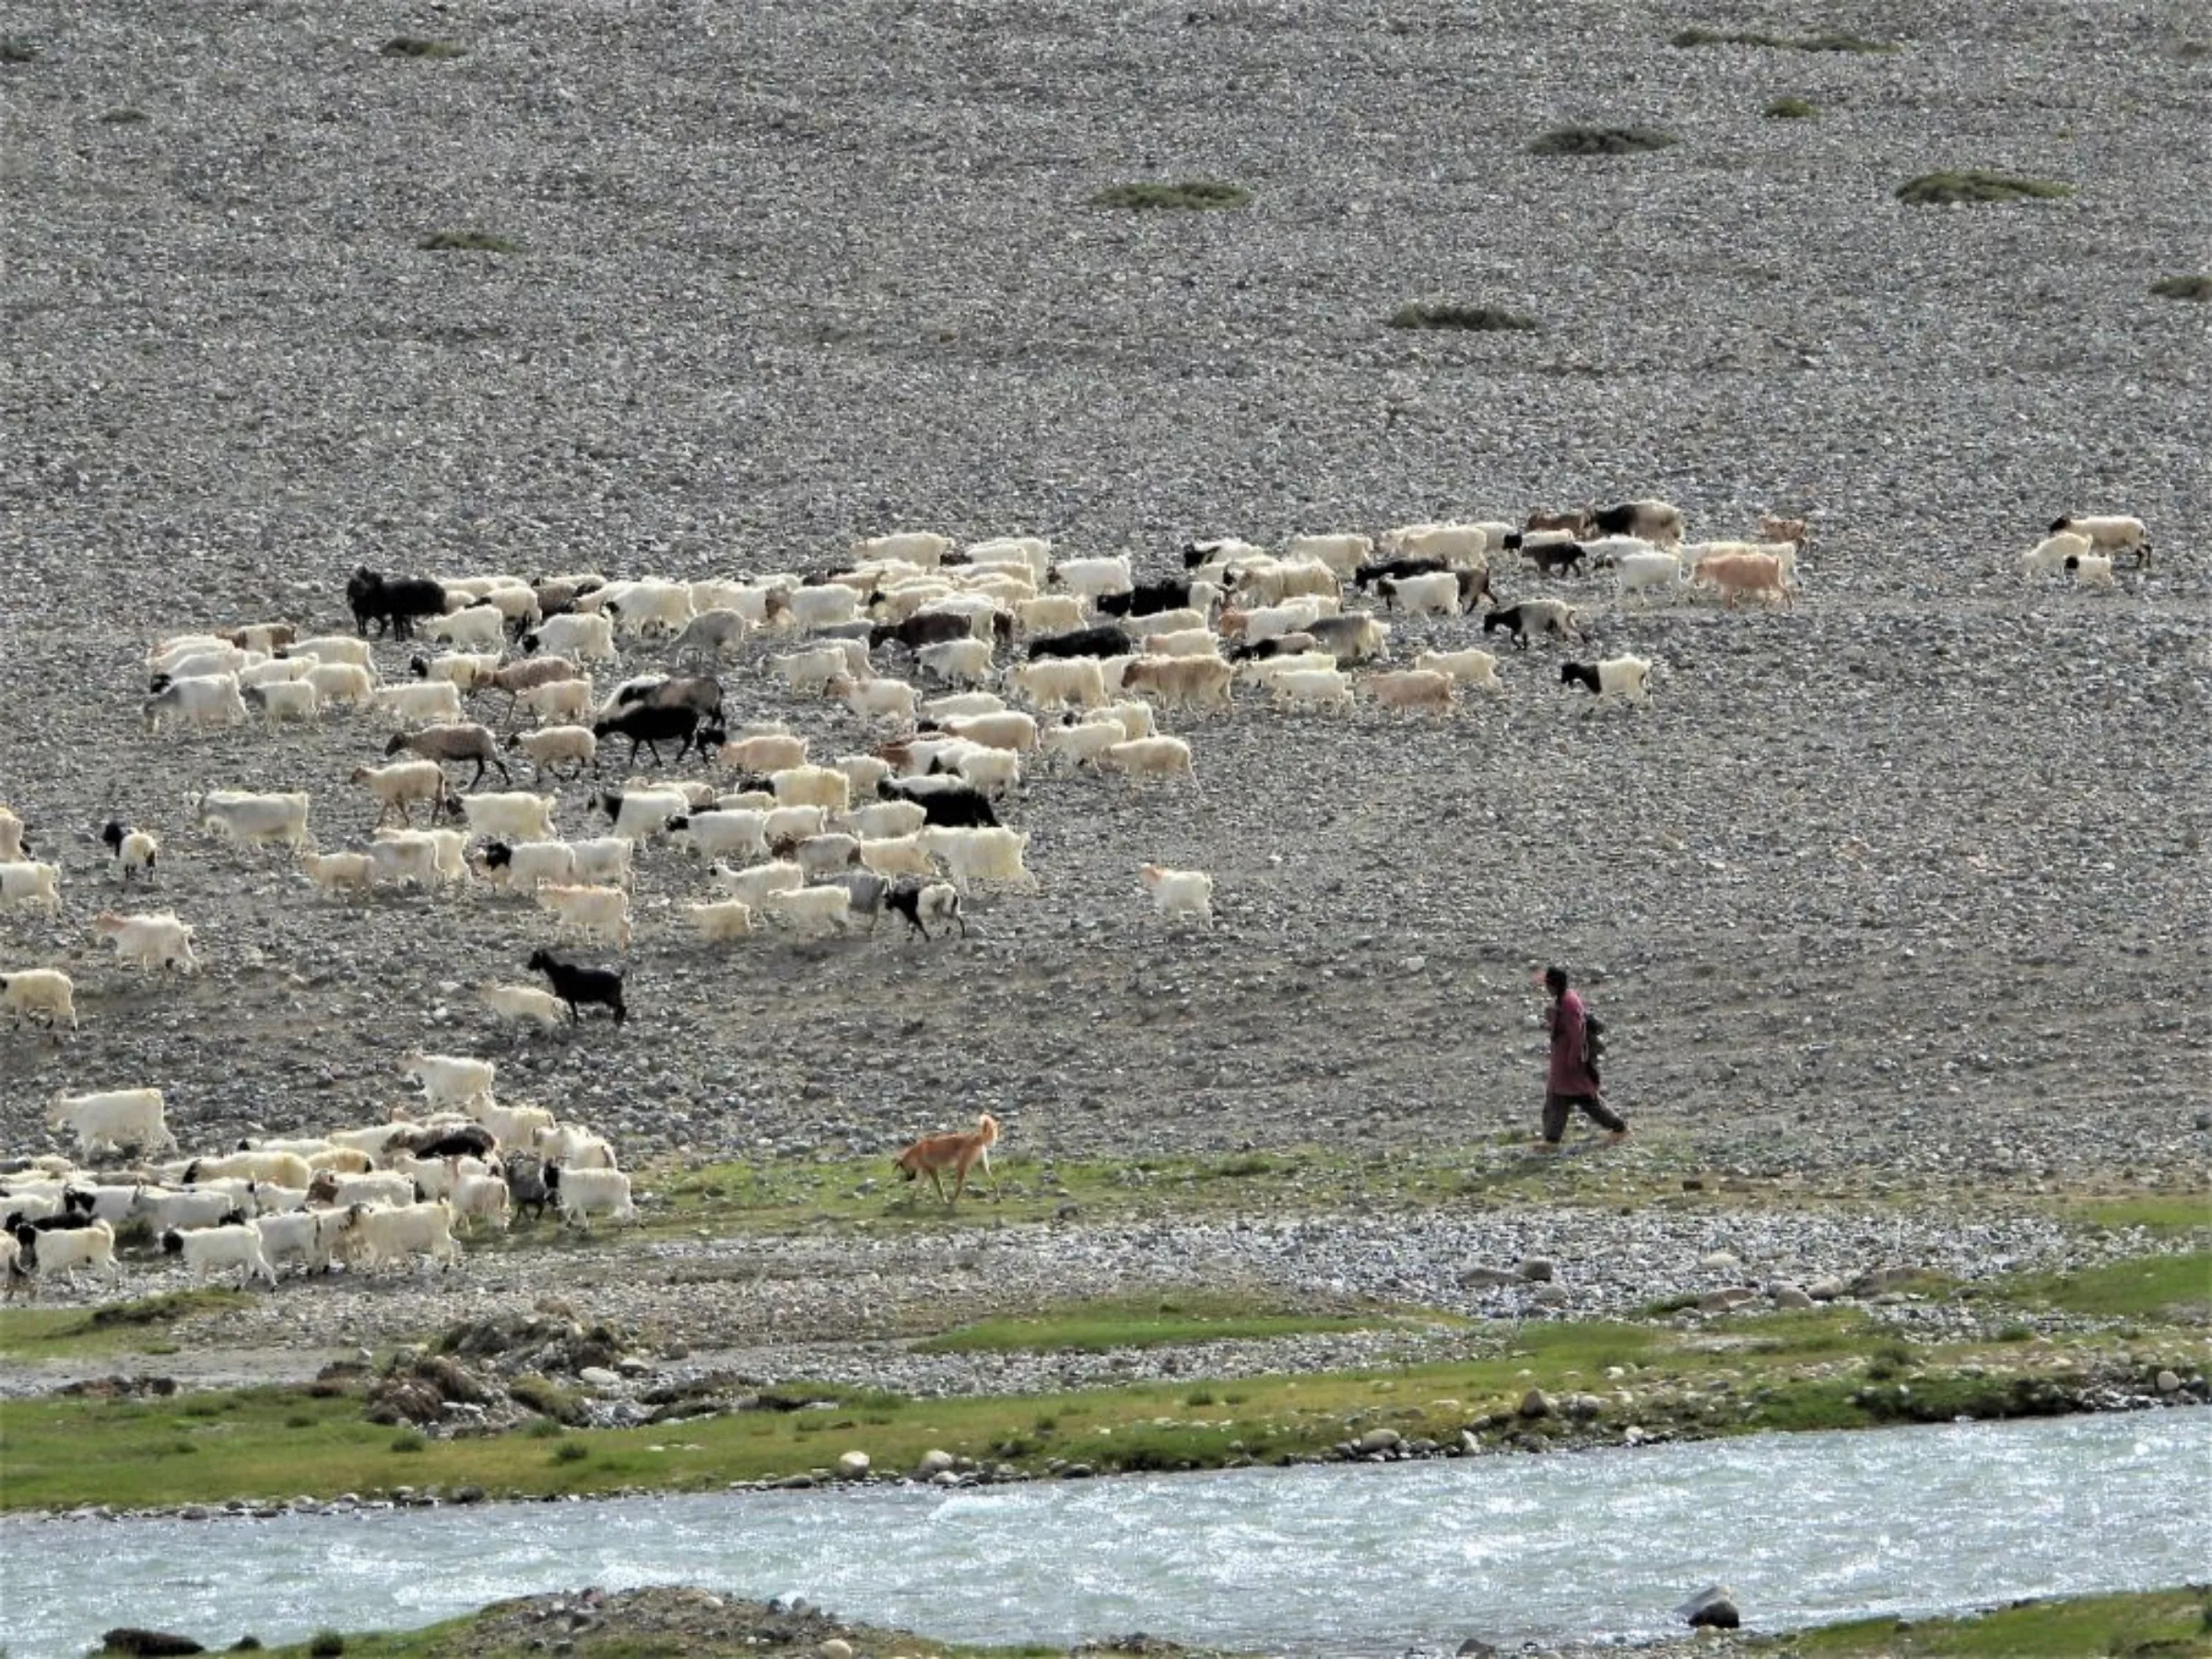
(1830,42)
(511,1631)
(786,1196)
(115,1328)
(1974,184)
(2154,1624)
(1186,196)
(1478,318)
(1144,1321)
(1798,1370)
(2176,1289)
(2167,1624)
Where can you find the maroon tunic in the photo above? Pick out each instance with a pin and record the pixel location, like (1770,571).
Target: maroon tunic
(1570,1072)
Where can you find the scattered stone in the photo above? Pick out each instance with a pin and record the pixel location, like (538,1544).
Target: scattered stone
(2168,1383)
(147,1645)
(597,1376)
(1379,1440)
(1712,1609)
(1535,1404)
(1538,1270)
(853,1464)
(934,1462)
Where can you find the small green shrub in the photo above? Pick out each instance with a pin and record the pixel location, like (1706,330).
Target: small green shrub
(2016,1333)
(122,117)
(298,1419)
(1199,1396)
(1938,189)
(1830,41)
(408,1440)
(1046,1422)
(1189,194)
(2183,288)
(467,242)
(17,52)
(1791,109)
(569,1452)
(1889,1360)
(1480,319)
(327,1645)
(248,1644)
(1599,141)
(545,1429)
(412,46)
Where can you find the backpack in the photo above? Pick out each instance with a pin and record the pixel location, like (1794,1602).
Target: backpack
(1594,1039)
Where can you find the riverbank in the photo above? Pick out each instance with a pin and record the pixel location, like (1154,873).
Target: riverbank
(549,1408)
(700,1624)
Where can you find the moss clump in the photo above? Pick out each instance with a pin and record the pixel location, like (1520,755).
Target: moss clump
(1791,109)
(415,46)
(1191,194)
(17,52)
(2183,288)
(1828,40)
(1938,189)
(467,242)
(1599,141)
(1480,319)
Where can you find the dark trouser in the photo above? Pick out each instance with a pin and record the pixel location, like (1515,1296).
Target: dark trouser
(1556,1106)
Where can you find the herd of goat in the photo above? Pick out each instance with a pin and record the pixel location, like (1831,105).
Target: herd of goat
(912,826)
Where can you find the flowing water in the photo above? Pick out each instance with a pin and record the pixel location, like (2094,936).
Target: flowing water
(1326,1559)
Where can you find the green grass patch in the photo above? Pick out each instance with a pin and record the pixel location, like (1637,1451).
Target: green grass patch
(1940,189)
(1792,109)
(2173,1216)
(467,242)
(2153,1624)
(416,46)
(2183,288)
(1143,1322)
(2167,1288)
(795,1195)
(1599,141)
(1787,1372)
(1188,195)
(116,1328)
(1480,319)
(1825,41)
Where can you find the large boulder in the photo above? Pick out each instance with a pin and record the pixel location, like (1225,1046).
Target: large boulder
(1711,1609)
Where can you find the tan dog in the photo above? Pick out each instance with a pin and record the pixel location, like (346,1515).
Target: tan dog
(958,1151)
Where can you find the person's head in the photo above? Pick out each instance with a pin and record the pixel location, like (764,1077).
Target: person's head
(1555,980)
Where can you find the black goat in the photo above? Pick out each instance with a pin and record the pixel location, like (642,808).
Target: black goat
(1366,575)
(574,983)
(393,603)
(923,627)
(1550,557)
(526,1188)
(905,900)
(466,1140)
(953,805)
(1105,640)
(648,726)
(1146,598)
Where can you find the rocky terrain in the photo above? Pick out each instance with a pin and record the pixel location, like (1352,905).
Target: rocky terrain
(1900,891)
(1909,879)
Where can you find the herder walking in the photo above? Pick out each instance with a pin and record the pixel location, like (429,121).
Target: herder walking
(1572,1079)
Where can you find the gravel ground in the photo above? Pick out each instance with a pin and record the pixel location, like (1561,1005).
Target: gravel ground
(1905,884)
